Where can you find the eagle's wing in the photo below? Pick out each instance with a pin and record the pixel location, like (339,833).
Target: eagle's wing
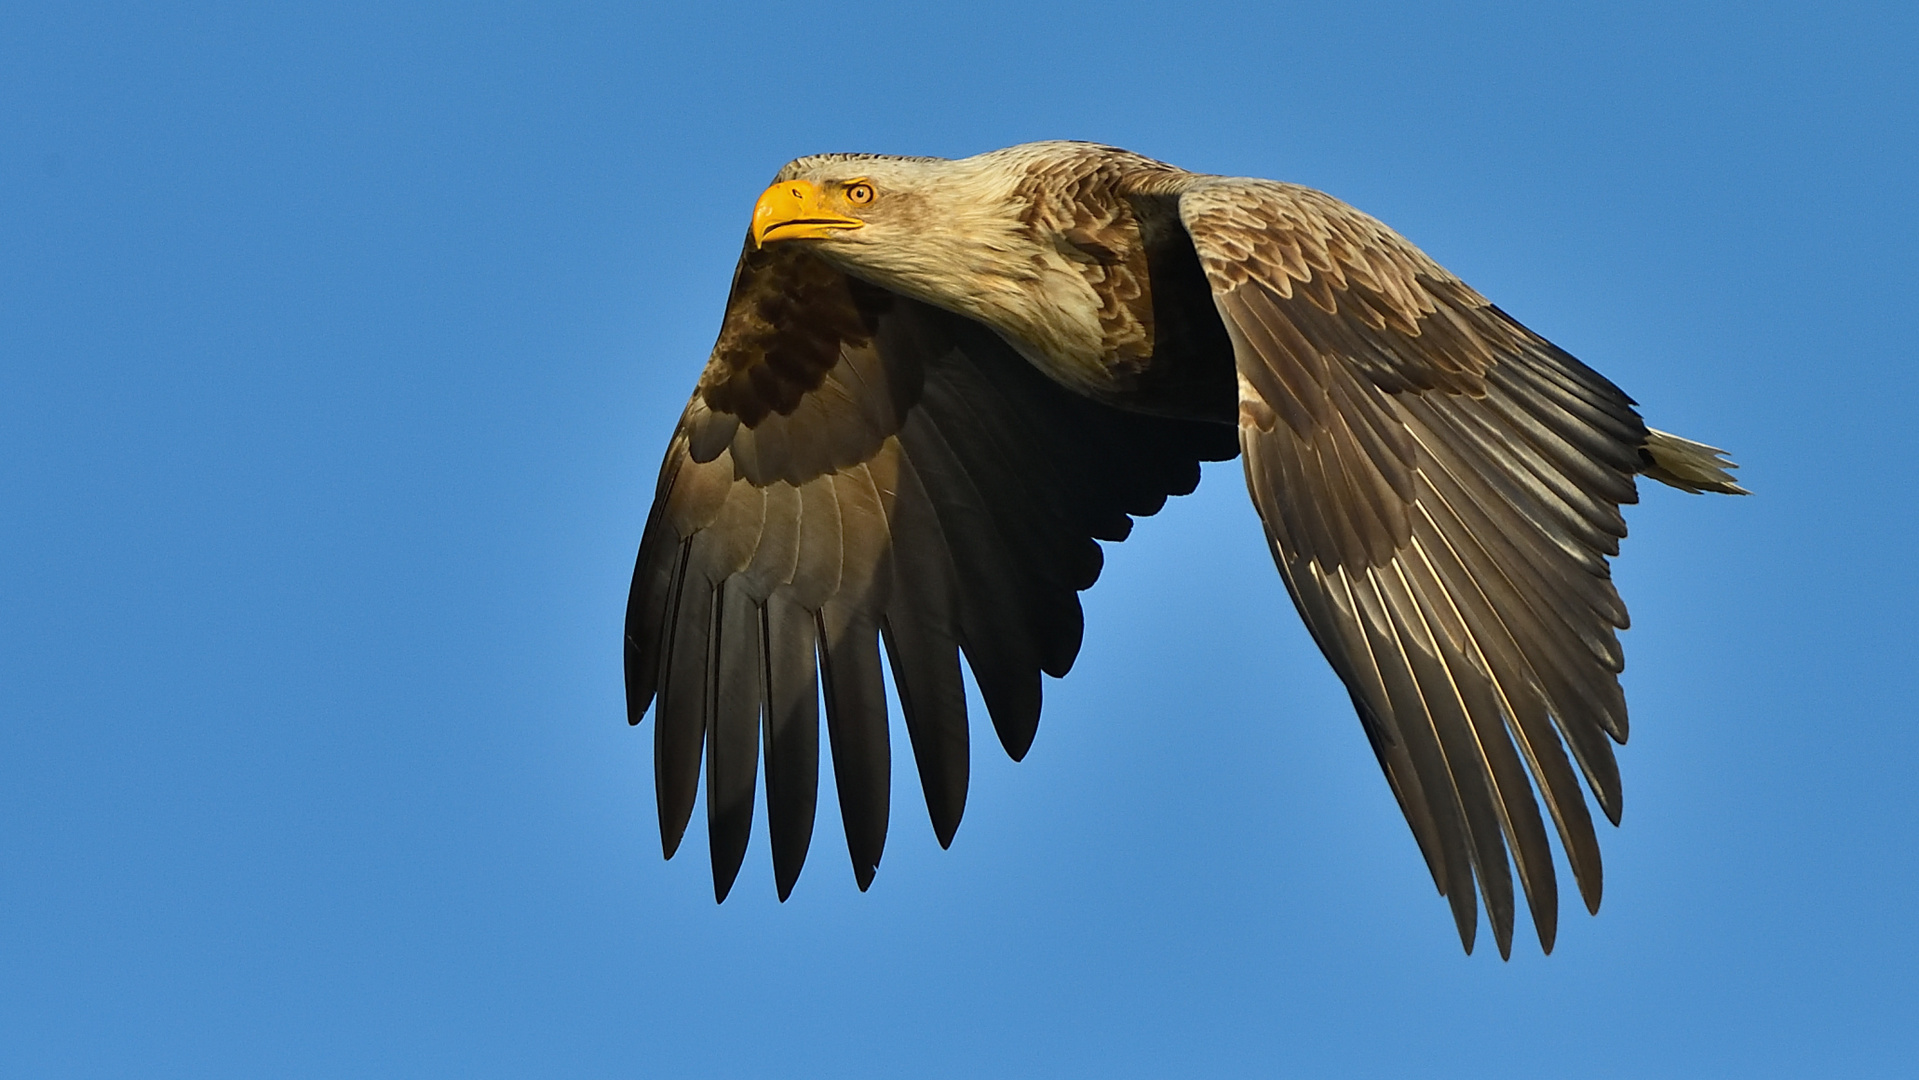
(856,467)
(1440,488)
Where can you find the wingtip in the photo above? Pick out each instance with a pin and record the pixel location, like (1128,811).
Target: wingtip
(1590,894)
(1016,735)
(946,820)
(789,857)
(1545,918)
(1500,915)
(1014,706)
(725,872)
(784,878)
(639,692)
(670,837)
(1614,807)
(1465,909)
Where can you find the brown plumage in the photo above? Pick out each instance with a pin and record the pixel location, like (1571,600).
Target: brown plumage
(939,383)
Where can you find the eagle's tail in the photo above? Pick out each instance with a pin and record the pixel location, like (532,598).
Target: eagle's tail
(1687,465)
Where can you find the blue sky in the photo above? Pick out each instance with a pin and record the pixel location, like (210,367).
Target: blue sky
(337,352)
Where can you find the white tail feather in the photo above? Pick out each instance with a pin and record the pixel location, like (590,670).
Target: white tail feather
(1688,465)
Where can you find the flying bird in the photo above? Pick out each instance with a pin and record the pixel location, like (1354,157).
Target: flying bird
(939,383)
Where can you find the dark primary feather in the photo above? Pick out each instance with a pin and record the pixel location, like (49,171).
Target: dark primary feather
(858,468)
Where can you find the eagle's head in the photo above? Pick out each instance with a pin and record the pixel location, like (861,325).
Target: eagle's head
(987,237)
(937,230)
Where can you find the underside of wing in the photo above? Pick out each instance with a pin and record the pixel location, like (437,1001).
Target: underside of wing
(860,475)
(1440,488)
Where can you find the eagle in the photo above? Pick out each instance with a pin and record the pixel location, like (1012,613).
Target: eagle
(940,383)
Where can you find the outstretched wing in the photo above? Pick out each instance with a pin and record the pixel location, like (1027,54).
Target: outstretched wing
(1440,488)
(857,467)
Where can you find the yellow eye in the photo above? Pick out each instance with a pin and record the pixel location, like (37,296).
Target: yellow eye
(859,194)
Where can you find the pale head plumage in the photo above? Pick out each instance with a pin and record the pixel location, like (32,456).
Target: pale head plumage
(984,236)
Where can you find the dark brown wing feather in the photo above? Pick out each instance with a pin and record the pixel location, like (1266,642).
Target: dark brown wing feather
(1440,488)
(856,467)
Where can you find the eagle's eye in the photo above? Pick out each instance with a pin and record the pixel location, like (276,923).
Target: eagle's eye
(859,194)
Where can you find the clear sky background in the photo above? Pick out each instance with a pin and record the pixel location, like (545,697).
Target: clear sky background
(337,352)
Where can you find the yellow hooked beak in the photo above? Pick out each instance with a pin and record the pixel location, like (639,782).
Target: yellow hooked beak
(796,210)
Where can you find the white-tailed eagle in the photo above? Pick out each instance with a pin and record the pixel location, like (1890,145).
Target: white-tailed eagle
(939,383)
